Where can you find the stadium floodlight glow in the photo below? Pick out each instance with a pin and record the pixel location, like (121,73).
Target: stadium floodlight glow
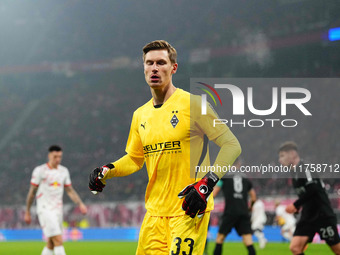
(334,34)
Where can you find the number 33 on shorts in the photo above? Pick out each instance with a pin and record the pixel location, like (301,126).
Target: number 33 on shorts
(188,236)
(182,248)
(179,235)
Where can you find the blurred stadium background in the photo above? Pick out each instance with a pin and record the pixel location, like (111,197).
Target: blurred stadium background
(71,74)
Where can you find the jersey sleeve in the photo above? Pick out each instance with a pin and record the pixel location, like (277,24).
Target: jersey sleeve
(219,184)
(205,123)
(311,188)
(134,145)
(36,177)
(67,179)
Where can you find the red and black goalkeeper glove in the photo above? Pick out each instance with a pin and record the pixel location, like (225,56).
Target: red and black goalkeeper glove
(95,184)
(196,195)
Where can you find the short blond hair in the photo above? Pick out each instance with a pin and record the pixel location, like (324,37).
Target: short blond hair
(288,146)
(161,45)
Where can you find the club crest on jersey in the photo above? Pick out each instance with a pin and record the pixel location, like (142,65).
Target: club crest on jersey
(174,120)
(203,189)
(55,184)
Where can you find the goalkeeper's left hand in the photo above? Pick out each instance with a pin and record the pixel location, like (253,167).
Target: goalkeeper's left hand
(196,195)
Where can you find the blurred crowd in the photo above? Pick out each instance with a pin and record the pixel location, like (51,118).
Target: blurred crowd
(121,28)
(89,114)
(91,122)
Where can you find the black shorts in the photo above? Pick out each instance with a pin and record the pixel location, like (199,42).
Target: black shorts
(326,228)
(240,222)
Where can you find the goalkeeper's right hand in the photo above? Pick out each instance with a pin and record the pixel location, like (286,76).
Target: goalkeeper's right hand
(95,184)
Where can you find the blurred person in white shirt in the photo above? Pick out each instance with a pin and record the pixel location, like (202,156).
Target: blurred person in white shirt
(285,220)
(47,185)
(258,219)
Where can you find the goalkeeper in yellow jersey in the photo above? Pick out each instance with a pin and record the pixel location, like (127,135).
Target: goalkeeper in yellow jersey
(170,136)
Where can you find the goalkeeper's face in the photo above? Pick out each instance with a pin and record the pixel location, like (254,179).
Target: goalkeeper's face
(158,69)
(55,157)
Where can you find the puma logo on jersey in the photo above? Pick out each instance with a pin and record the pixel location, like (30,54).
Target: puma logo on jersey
(143,125)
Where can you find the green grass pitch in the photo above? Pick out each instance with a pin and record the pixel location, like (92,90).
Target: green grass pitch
(129,248)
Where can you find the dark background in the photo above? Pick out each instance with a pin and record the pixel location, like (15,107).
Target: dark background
(71,74)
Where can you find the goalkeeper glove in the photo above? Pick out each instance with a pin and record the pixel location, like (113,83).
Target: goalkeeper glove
(196,195)
(95,184)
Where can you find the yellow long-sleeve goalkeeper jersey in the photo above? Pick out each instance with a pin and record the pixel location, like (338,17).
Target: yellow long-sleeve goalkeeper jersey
(163,137)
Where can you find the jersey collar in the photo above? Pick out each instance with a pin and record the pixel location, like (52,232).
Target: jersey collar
(49,167)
